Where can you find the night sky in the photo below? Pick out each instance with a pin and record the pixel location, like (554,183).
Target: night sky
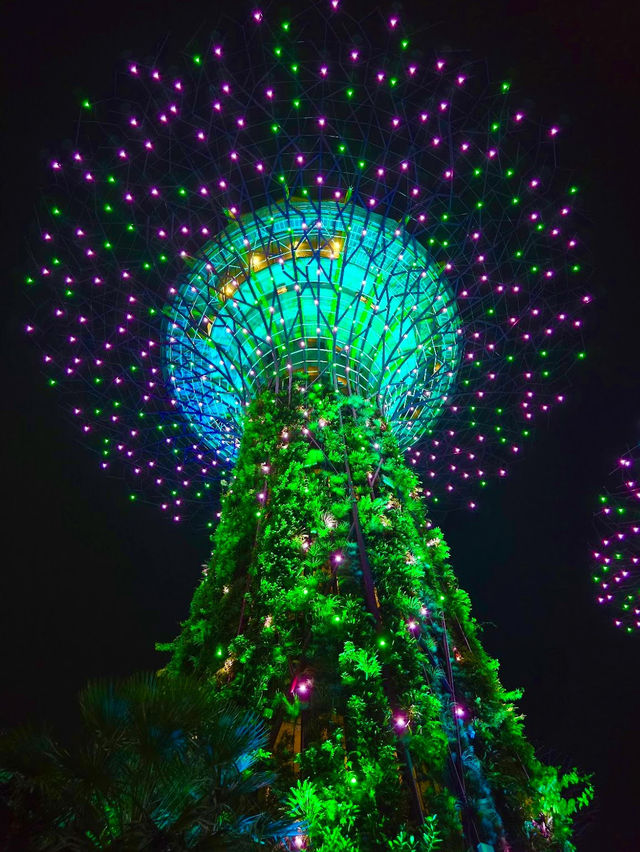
(90,583)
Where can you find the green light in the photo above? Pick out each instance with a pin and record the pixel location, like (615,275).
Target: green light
(182,191)
(86,104)
(294,68)
(277,51)
(56,211)
(404,43)
(349,93)
(505,86)
(285,25)
(197,59)
(495,126)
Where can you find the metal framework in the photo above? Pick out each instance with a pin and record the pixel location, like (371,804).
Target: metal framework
(174,238)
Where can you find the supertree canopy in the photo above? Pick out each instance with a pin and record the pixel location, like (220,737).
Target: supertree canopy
(616,555)
(384,218)
(321,257)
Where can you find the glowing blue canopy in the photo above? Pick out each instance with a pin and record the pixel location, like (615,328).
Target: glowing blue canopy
(294,291)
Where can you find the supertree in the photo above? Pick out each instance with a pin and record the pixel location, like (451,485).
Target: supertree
(309,261)
(616,555)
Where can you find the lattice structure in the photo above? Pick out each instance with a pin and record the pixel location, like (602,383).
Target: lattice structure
(616,555)
(310,195)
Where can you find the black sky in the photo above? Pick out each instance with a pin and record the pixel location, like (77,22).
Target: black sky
(89,583)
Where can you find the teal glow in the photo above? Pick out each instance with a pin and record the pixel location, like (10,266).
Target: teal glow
(297,291)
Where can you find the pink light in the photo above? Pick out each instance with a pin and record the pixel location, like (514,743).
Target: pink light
(440,64)
(257,16)
(393,23)
(217,50)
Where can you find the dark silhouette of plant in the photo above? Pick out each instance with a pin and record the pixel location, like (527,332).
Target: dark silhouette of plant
(162,764)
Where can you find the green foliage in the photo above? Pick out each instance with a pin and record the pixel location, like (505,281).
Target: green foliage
(358,660)
(282,599)
(425,841)
(161,764)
